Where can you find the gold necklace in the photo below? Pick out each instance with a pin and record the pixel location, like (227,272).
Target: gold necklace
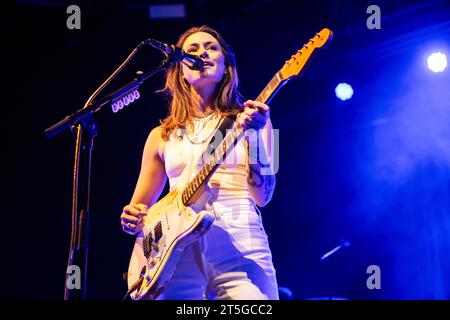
(204,121)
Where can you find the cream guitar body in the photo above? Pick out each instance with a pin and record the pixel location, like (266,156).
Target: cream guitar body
(169,228)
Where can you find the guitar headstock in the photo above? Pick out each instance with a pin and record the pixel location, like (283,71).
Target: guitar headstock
(295,64)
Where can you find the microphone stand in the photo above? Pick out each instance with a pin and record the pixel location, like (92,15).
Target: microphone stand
(82,121)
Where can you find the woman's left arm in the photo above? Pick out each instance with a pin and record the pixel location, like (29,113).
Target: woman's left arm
(255,119)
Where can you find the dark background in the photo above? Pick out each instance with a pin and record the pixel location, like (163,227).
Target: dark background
(374,170)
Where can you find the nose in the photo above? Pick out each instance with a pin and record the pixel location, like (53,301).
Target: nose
(204,53)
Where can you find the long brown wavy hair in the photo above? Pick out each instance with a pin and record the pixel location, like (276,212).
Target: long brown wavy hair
(182,108)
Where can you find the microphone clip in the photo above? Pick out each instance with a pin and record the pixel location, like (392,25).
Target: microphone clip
(176,54)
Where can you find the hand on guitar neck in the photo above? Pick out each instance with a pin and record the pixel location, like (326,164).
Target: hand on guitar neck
(255,115)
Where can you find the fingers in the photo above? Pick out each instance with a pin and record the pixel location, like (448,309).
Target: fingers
(254,115)
(126,218)
(129,228)
(135,209)
(141,207)
(259,106)
(256,122)
(132,218)
(130,224)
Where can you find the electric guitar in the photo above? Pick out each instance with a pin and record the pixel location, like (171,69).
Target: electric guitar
(179,219)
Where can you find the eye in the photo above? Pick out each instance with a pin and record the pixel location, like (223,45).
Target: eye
(213,47)
(191,50)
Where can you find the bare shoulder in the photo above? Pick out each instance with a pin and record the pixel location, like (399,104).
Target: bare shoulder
(155,143)
(156,133)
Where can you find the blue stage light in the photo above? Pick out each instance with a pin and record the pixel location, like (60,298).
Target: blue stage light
(344,91)
(437,62)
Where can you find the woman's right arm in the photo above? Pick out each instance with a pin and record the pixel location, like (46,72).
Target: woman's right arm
(150,184)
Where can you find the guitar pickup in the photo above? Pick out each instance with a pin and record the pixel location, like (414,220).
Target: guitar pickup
(158,231)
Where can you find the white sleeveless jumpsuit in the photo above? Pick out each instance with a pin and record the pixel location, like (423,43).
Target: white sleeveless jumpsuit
(233,259)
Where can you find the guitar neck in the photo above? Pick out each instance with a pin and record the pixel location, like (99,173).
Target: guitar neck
(227,143)
(271,88)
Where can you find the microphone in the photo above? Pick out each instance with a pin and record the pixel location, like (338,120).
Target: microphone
(177,54)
